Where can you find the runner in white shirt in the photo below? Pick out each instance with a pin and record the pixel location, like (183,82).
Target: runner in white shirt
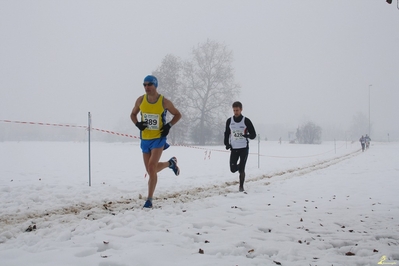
(238,130)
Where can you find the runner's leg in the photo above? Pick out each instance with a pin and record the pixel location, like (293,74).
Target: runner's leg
(234,155)
(151,161)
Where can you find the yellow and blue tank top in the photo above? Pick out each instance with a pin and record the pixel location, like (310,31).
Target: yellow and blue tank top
(154,114)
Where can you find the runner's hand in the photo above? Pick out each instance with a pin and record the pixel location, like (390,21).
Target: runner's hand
(165,130)
(141,125)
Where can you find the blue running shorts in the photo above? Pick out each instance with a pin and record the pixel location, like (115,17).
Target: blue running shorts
(148,145)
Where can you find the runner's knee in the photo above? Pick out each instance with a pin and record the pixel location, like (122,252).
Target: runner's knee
(233,168)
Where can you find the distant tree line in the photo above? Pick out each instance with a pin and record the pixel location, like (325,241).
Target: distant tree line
(203,88)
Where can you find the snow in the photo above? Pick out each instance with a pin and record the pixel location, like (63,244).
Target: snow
(304,205)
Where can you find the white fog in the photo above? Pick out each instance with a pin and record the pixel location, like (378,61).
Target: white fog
(296,61)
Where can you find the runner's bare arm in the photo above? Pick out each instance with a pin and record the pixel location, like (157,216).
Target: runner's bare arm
(136,110)
(173,110)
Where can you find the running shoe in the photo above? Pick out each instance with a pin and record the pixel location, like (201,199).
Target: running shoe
(173,166)
(147,204)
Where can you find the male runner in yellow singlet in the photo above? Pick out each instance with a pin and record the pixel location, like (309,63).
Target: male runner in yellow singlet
(152,107)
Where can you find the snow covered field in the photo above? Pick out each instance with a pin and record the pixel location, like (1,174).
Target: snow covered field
(305,205)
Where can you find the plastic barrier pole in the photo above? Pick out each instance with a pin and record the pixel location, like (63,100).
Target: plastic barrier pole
(88,128)
(258,150)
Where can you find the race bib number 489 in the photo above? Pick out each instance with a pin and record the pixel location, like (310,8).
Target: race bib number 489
(152,121)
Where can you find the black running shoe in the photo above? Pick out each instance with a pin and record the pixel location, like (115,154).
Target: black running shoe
(173,166)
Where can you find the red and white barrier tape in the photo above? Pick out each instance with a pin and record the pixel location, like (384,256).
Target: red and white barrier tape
(115,133)
(135,137)
(40,123)
(68,125)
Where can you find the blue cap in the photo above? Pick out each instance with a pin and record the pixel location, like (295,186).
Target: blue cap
(151,79)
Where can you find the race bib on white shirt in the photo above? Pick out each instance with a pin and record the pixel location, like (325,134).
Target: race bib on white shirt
(237,134)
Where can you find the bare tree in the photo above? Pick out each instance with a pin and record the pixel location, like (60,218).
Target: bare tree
(210,89)
(169,78)
(309,133)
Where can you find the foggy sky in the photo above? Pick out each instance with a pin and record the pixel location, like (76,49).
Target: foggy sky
(295,60)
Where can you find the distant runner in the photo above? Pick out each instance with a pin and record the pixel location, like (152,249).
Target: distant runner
(367,141)
(362,142)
